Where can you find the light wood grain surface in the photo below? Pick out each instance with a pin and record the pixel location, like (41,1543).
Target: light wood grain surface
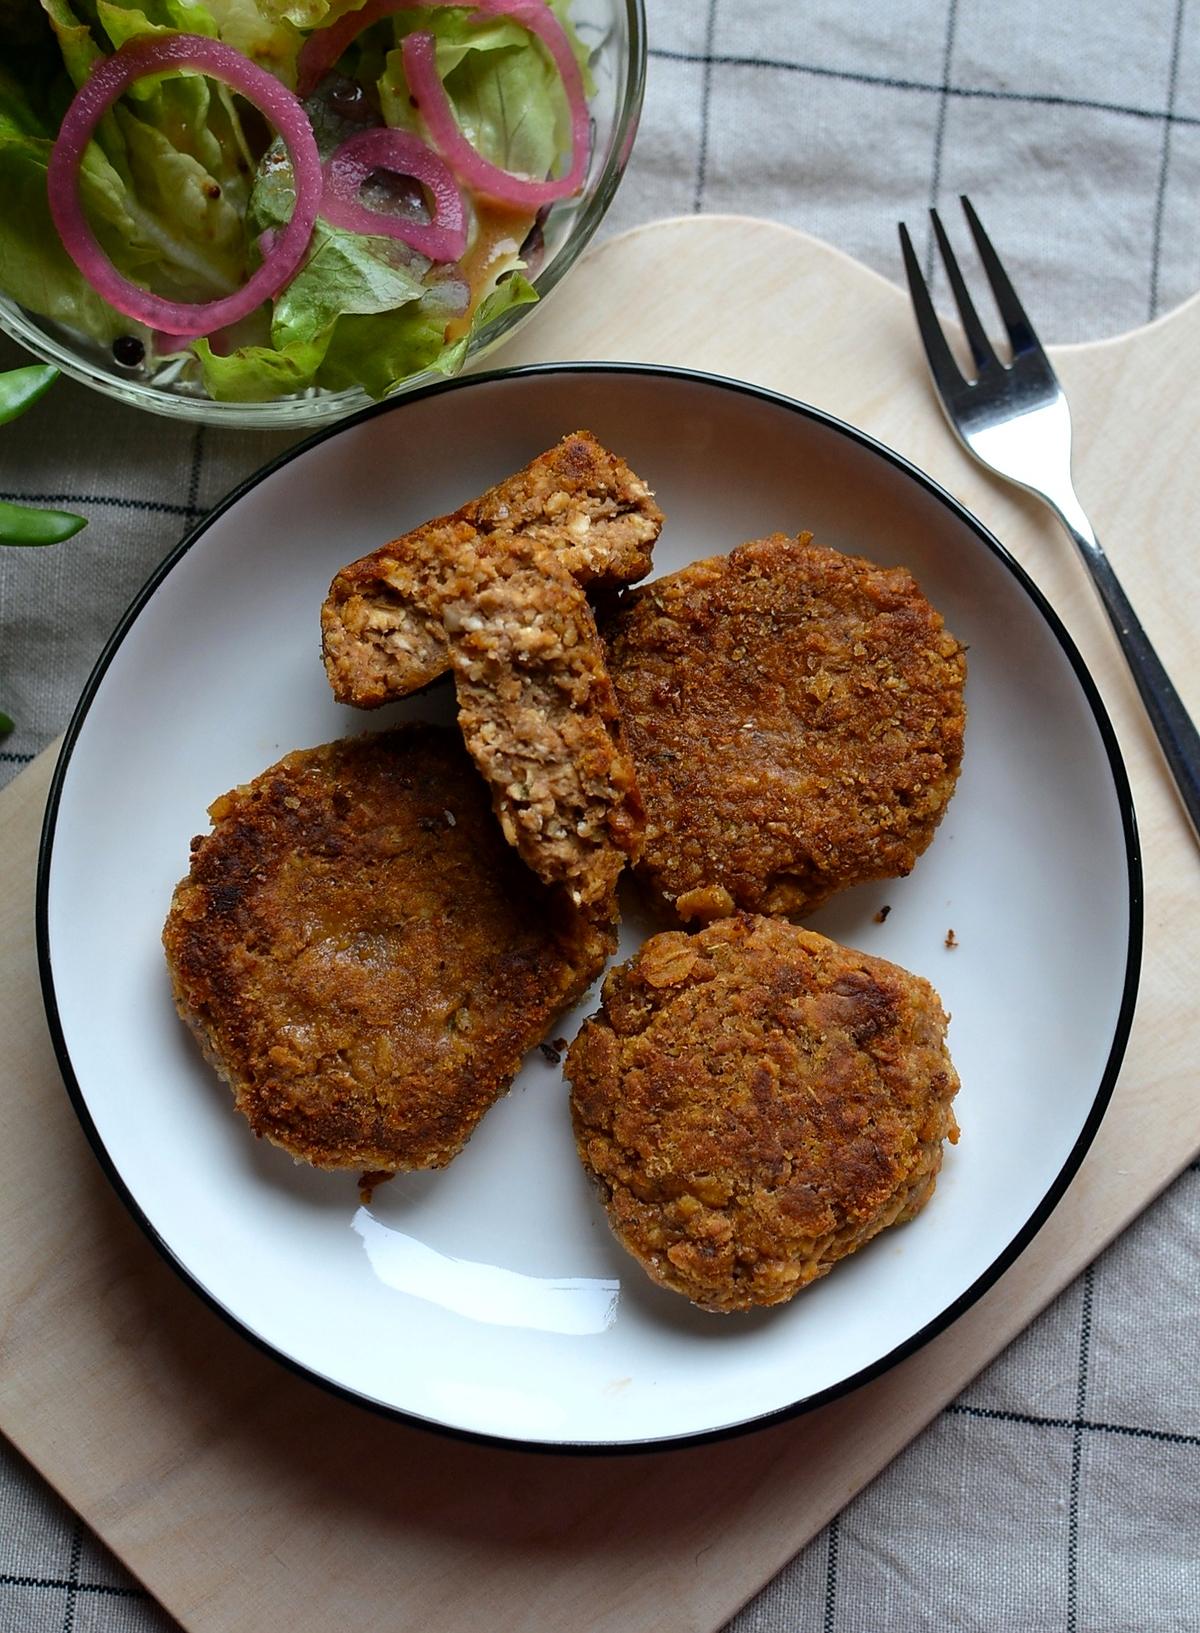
(237,1491)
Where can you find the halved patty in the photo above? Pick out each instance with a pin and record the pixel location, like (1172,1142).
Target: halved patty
(363,957)
(381,623)
(755,1102)
(538,715)
(796,721)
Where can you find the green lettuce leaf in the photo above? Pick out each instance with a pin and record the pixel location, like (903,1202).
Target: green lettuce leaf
(273,196)
(35,269)
(254,374)
(505,90)
(182,210)
(266,33)
(195,115)
(79,49)
(378,352)
(510,292)
(343,275)
(126,22)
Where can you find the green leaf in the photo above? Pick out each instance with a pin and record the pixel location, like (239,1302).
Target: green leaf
(35,269)
(343,274)
(257,373)
(7,724)
(311,13)
(175,103)
(509,109)
(123,23)
(505,91)
(80,52)
(180,211)
(263,32)
(21,524)
(510,292)
(21,388)
(167,215)
(79,49)
(273,196)
(378,352)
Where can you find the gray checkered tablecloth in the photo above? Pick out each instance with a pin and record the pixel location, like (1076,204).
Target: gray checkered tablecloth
(1060,1490)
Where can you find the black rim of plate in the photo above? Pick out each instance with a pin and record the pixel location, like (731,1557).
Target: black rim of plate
(1122,1026)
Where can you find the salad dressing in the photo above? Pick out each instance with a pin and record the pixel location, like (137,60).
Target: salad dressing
(499,234)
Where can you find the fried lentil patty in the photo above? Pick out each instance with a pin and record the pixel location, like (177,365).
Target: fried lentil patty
(381,625)
(363,957)
(796,722)
(538,715)
(756,1102)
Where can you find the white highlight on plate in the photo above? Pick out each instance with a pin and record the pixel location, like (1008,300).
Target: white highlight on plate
(574,1305)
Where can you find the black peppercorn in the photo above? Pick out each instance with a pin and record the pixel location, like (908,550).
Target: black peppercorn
(128,351)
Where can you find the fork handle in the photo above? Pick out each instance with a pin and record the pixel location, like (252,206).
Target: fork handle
(1173,726)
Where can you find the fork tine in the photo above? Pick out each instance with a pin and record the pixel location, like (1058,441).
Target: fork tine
(981,347)
(1020,331)
(946,374)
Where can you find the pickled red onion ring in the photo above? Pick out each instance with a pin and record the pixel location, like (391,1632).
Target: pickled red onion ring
(424,81)
(323,48)
(109,79)
(443,239)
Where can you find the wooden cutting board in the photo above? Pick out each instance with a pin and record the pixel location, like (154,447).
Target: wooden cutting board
(242,1495)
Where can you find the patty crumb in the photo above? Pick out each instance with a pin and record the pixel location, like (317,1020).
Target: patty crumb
(368,1182)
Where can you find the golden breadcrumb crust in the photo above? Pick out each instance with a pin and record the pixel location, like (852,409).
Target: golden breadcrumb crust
(363,957)
(755,1102)
(381,624)
(796,721)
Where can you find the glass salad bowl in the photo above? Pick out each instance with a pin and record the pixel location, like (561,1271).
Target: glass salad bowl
(613,34)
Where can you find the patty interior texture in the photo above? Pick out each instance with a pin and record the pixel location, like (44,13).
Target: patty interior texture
(539,717)
(381,623)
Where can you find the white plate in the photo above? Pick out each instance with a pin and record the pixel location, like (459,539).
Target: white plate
(490,1298)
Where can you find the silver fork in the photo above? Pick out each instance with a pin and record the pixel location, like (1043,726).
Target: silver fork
(1014,418)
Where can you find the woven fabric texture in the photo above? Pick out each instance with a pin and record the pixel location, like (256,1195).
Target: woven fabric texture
(1060,1490)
